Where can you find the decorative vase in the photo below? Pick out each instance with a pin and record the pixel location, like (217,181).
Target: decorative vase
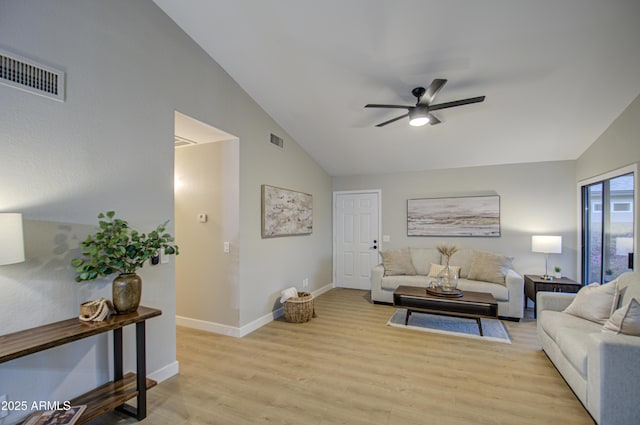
(126,289)
(448,278)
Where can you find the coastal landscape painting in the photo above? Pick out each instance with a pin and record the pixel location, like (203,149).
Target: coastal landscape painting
(460,216)
(286,212)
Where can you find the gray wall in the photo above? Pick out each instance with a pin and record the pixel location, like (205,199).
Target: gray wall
(535,198)
(110,146)
(617,147)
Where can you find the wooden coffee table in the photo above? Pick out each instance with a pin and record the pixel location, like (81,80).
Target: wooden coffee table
(472,305)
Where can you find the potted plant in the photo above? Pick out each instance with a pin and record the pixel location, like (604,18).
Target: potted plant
(117,248)
(558,271)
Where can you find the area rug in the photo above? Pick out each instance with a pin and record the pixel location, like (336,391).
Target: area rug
(493,329)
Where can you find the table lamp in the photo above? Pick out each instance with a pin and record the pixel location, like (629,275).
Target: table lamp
(11,239)
(547,245)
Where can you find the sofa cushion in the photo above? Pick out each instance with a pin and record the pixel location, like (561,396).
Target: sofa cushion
(397,262)
(489,266)
(574,344)
(499,292)
(391,283)
(422,259)
(552,322)
(594,302)
(462,258)
(625,320)
(436,269)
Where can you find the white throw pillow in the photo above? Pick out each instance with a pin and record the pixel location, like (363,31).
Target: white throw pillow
(625,320)
(594,302)
(435,269)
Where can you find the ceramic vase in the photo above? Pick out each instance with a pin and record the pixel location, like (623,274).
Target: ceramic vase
(126,290)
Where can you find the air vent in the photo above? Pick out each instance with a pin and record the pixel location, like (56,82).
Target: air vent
(180,142)
(275,140)
(24,74)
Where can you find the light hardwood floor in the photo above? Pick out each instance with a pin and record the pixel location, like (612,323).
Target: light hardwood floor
(347,367)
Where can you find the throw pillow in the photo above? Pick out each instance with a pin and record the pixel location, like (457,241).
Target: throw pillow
(435,269)
(594,302)
(489,267)
(625,320)
(397,262)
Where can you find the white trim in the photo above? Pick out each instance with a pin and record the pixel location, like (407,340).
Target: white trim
(166,372)
(335,226)
(239,332)
(632,168)
(203,325)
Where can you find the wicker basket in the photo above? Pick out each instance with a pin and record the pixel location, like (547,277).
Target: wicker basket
(299,309)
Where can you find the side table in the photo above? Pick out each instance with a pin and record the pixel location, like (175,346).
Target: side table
(535,283)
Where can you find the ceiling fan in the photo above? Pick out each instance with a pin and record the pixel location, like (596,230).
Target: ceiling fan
(421,113)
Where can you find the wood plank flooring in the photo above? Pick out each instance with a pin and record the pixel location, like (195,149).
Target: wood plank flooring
(347,367)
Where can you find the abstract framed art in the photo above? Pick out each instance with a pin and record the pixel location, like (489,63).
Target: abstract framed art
(286,212)
(455,216)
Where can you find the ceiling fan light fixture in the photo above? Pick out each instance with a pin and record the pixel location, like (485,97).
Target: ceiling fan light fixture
(418,117)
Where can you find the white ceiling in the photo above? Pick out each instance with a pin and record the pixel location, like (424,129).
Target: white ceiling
(555,73)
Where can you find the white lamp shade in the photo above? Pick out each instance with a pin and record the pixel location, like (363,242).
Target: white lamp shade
(11,239)
(546,244)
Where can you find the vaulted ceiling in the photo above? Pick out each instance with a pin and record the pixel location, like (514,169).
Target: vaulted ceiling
(555,73)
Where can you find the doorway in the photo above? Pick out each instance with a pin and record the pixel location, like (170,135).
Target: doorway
(206,198)
(356,237)
(608,229)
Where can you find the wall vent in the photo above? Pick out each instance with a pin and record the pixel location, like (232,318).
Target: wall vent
(275,140)
(22,73)
(180,142)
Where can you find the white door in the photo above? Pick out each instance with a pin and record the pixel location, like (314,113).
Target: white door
(356,238)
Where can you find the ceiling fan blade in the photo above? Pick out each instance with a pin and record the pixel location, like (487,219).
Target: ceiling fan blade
(433,120)
(374,105)
(432,91)
(456,103)
(382,124)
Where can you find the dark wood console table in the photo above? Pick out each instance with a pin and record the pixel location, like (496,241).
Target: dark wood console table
(112,395)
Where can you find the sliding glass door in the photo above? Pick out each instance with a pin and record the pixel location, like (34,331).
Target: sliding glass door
(607,228)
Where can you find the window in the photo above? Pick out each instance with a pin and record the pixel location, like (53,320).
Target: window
(621,207)
(607,234)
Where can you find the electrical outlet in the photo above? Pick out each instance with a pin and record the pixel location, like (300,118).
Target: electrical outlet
(305,283)
(3,402)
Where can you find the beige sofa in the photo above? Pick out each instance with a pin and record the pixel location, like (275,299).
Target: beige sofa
(600,367)
(508,293)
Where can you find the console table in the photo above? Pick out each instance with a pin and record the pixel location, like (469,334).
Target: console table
(112,395)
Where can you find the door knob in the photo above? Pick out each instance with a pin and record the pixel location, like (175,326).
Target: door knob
(375,244)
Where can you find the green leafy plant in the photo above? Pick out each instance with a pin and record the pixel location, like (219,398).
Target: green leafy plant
(117,248)
(557,269)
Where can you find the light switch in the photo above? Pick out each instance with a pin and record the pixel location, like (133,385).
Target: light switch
(226,247)
(386,238)
(202,217)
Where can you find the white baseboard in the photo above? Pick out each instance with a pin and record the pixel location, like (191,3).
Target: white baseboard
(239,332)
(203,325)
(165,373)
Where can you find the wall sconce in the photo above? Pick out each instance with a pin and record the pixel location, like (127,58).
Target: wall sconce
(547,245)
(11,239)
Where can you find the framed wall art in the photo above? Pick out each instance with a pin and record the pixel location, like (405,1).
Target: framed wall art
(456,216)
(286,212)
